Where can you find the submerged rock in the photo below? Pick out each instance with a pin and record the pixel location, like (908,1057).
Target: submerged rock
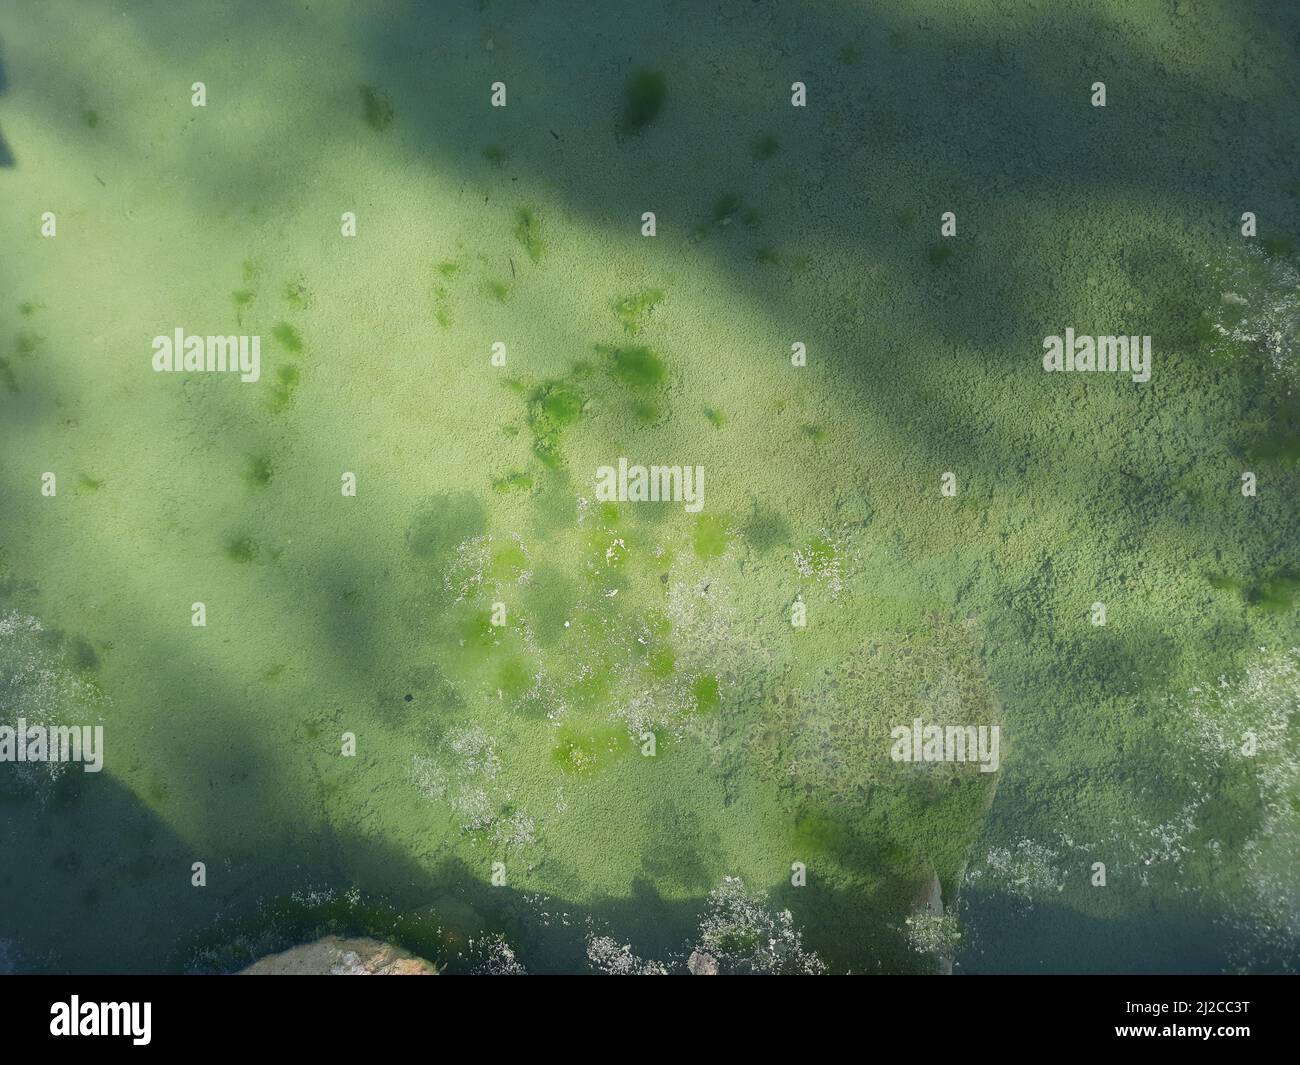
(336,956)
(931,929)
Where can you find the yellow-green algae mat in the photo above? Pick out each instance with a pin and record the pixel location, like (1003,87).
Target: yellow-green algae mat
(576,718)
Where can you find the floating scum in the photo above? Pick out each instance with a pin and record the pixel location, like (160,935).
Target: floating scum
(416,513)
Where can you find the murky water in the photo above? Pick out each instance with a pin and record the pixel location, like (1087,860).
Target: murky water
(575,717)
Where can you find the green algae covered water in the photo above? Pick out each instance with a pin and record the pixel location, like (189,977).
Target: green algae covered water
(386,633)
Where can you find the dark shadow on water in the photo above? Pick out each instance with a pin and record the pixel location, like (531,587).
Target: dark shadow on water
(1052,938)
(89,855)
(6,156)
(91,880)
